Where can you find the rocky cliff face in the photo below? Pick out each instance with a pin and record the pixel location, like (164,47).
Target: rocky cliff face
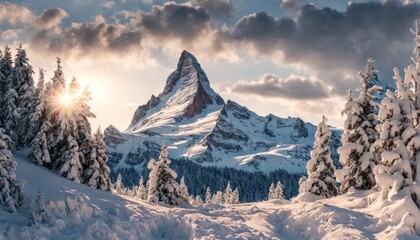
(198,125)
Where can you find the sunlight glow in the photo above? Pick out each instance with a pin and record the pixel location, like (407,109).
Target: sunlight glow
(66,100)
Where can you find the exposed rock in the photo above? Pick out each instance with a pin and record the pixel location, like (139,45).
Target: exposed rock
(301,131)
(113,137)
(141,111)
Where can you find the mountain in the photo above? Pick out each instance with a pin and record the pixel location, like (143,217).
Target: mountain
(198,125)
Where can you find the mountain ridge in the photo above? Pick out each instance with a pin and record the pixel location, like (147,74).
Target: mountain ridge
(198,125)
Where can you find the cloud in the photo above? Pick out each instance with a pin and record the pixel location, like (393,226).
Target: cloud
(217,8)
(51,17)
(292,5)
(15,14)
(331,44)
(293,87)
(181,21)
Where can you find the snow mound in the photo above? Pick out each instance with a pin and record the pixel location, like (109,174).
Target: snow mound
(80,212)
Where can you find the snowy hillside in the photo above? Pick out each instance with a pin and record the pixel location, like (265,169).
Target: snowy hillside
(197,124)
(80,212)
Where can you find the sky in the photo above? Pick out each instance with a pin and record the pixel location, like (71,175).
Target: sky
(285,57)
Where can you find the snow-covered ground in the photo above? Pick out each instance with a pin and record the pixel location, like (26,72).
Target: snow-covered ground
(80,212)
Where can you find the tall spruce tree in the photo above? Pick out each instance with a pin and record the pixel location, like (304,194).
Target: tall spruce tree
(25,89)
(10,111)
(11,194)
(6,68)
(359,135)
(394,173)
(39,126)
(97,173)
(320,167)
(208,195)
(162,186)
(142,191)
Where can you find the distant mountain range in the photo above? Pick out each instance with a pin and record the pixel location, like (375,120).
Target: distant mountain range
(198,125)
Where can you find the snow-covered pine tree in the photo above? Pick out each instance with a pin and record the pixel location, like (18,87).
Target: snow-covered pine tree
(234,198)
(218,198)
(271,192)
(162,186)
(227,196)
(10,110)
(81,114)
(278,192)
(97,173)
(6,68)
(39,126)
(118,186)
(320,167)
(191,200)
(25,89)
(56,112)
(412,78)
(198,200)
(11,194)
(71,167)
(142,193)
(134,191)
(40,154)
(39,214)
(183,187)
(394,172)
(208,195)
(359,135)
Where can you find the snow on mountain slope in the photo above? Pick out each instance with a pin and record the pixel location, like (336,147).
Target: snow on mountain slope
(197,124)
(186,94)
(80,212)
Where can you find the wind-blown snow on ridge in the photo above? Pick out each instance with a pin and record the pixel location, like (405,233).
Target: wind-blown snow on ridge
(197,124)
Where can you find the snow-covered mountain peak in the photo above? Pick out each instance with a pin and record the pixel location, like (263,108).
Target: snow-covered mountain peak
(198,125)
(186,94)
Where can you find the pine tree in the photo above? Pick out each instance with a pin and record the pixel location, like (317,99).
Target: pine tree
(142,193)
(320,167)
(162,184)
(25,89)
(39,126)
(359,136)
(97,173)
(412,77)
(118,187)
(394,171)
(40,154)
(235,196)
(11,112)
(6,68)
(278,193)
(11,194)
(228,194)
(71,167)
(184,188)
(271,192)
(198,200)
(208,195)
(39,213)
(218,198)
(134,191)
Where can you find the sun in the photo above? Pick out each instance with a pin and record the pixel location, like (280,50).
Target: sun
(66,100)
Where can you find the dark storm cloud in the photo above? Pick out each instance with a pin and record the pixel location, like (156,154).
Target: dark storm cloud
(333,43)
(182,21)
(51,17)
(217,8)
(294,87)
